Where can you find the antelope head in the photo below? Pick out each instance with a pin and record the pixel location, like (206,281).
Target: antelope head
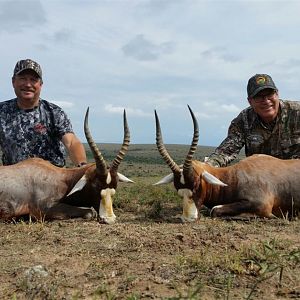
(185,179)
(101,180)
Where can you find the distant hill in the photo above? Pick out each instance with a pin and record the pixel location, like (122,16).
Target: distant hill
(148,153)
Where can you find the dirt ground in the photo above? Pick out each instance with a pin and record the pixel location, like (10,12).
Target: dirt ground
(149,253)
(142,258)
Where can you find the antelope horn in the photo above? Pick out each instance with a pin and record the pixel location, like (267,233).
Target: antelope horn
(188,161)
(100,162)
(124,148)
(162,149)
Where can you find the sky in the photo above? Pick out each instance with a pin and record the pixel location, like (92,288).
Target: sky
(146,55)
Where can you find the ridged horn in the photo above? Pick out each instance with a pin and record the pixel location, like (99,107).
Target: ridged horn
(162,149)
(100,162)
(124,148)
(188,161)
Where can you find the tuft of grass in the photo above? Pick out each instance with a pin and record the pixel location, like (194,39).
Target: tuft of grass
(193,293)
(39,284)
(104,292)
(144,198)
(271,260)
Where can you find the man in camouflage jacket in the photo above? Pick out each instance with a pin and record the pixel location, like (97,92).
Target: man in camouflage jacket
(33,127)
(269,126)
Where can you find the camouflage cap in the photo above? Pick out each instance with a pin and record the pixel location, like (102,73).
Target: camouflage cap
(27,64)
(258,83)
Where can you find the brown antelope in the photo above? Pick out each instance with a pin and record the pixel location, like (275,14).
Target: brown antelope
(259,185)
(37,188)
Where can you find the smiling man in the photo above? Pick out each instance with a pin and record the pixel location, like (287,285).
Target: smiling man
(33,127)
(269,125)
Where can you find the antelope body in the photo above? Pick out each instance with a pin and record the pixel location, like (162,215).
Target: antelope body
(259,185)
(37,188)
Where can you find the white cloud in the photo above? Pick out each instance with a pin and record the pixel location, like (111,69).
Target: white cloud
(64,104)
(214,110)
(231,108)
(146,55)
(129,111)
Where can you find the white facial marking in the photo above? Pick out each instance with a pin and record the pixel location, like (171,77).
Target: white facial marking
(106,212)
(108,178)
(182,181)
(190,212)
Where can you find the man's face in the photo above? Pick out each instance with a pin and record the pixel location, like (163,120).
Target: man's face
(27,86)
(266,104)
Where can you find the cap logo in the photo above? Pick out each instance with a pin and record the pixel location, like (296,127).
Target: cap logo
(261,80)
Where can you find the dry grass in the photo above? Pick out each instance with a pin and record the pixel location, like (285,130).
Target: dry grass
(149,254)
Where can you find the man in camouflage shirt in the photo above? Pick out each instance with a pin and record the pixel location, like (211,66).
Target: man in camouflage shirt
(33,127)
(269,126)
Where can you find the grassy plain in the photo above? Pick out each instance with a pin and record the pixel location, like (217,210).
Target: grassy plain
(149,253)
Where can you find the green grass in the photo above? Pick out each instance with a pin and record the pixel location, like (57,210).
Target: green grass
(148,252)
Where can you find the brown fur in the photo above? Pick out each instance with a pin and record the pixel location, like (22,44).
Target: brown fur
(35,187)
(261,185)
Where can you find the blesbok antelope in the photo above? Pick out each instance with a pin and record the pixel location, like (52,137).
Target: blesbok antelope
(259,185)
(37,188)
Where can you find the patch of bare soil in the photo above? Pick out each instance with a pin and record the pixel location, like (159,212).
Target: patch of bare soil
(140,258)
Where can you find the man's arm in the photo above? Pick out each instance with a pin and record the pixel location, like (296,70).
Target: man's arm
(75,149)
(230,147)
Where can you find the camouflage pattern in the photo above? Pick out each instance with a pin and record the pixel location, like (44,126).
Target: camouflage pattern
(280,139)
(33,133)
(258,83)
(27,64)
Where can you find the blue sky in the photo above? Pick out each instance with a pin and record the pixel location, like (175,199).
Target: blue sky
(152,54)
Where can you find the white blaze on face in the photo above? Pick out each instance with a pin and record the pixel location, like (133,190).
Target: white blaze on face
(106,213)
(182,181)
(190,212)
(108,178)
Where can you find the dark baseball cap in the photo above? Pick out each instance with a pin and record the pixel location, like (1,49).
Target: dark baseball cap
(27,64)
(258,83)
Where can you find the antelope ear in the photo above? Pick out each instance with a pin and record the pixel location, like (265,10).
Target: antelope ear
(167,179)
(79,185)
(123,178)
(212,179)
